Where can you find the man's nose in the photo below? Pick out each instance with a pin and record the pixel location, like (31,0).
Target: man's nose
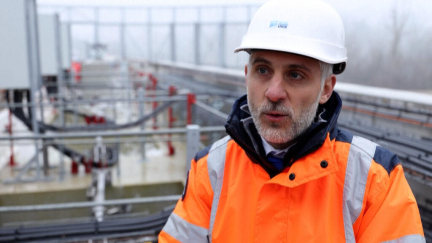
(276,90)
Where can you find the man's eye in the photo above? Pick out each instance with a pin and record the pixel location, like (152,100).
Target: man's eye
(262,70)
(295,76)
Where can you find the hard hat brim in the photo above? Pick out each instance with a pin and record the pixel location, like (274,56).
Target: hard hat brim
(319,50)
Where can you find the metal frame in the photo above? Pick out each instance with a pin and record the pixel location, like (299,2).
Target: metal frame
(151,23)
(36,77)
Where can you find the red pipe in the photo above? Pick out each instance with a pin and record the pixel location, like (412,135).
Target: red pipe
(89,166)
(155,104)
(74,167)
(77,67)
(9,128)
(191,99)
(171,119)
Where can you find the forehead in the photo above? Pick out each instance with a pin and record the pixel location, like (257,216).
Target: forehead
(276,58)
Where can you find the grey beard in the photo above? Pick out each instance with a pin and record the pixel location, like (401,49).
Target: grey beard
(299,122)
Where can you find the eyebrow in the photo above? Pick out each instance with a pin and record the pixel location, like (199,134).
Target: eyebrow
(298,66)
(260,59)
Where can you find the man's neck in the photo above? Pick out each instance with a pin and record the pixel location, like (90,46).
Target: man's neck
(269,147)
(280,146)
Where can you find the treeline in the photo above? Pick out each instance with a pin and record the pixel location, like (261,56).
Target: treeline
(395,54)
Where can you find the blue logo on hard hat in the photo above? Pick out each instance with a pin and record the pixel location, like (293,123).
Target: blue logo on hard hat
(278,24)
(273,24)
(283,25)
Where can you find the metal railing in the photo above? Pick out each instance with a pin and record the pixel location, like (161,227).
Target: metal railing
(207,25)
(75,205)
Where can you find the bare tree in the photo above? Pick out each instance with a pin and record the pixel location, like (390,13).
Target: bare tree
(398,29)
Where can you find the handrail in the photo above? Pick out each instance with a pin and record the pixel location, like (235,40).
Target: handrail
(73,205)
(112,133)
(385,93)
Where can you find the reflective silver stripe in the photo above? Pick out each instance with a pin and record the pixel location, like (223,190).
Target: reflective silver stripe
(215,166)
(359,161)
(184,231)
(408,239)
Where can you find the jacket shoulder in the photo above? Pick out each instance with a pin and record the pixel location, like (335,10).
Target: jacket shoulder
(344,136)
(387,159)
(201,154)
(375,152)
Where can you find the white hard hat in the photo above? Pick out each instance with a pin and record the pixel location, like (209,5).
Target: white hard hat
(306,27)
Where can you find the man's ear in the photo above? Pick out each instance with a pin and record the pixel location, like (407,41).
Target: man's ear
(328,87)
(246,72)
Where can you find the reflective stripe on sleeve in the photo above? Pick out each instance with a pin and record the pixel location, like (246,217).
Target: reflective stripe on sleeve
(359,161)
(216,165)
(408,239)
(184,231)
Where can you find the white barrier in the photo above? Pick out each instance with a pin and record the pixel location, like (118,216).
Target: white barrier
(236,77)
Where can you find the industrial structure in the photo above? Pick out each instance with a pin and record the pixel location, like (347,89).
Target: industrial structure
(99,132)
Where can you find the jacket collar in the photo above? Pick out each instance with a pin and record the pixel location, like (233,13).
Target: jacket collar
(310,167)
(243,131)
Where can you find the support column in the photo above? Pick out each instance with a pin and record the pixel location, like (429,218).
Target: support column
(193,141)
(61,86)
(96,33)
(173,38)
(45,158)
(141,115)
(197,44)
(125,73)
(222,39)
(172,43)
(36,78)
(122,34)
(149,41)
(100,175)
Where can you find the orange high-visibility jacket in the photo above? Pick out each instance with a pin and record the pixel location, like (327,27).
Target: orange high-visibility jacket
(335,187)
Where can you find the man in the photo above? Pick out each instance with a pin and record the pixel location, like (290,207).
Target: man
(286,173)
